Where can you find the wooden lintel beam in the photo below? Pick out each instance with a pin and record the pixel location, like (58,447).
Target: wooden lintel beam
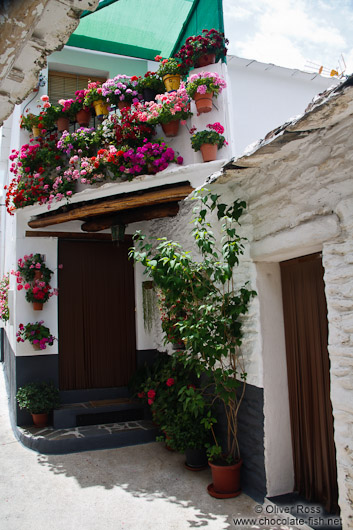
(114,206)
(145,213)
(69,235)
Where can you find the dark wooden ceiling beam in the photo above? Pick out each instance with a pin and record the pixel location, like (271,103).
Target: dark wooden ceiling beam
(145,213)
(114,206)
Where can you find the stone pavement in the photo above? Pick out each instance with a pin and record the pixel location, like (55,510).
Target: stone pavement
(131,488)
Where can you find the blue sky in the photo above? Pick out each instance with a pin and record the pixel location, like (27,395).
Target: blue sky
(291,32)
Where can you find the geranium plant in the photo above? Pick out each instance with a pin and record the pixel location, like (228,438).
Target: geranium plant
(94,93)
(37,286)
(205,82)
(214,135)
(82,142)
(151,80)
(214,305)
(170,66)
(29,264)
(210,41)
(121,88)
(4,294)
(36,334)
(168,107)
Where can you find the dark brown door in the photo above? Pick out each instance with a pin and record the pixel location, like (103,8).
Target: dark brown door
(306,332)
(96,315)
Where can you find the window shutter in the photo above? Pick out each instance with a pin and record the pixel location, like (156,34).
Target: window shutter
(62,85)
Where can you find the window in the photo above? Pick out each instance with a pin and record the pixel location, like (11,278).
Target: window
(62,85)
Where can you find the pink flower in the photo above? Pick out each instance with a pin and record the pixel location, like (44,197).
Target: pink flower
(170,381)
(26,286)
(19,287)
(44,98)
(202,89)
(38,265)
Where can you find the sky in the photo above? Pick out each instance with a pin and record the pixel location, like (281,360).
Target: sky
(292,33)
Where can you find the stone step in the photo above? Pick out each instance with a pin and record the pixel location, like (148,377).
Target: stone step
(87,438)
(114,410)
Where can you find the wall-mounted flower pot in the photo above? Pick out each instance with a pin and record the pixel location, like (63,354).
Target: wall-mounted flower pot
(63,124)
(171,82)
(101,108)
(204,60)
(209,152)
(40,420)
(36,346)
(171,128)
(83,117)
(225,480)
(203,102)
(36,132)
(37,306)
(124,105)
(37,274)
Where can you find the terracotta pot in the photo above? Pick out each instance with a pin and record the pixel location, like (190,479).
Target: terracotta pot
(209,152)
(171,82)
(101,108)
(36,347)
(204,60)
(37,306)
(63,124)
(124,105)
(226,478)
(171,128)
(37,274)
(40,420)
(203,102)
(149,94)
(83,117)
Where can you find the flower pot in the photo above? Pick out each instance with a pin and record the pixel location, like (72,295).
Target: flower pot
(209,152)
(101,108)
(225,479)
(40,420)
(63,124)
(124,105)
(83,117)
(37,306)
(196,459)
(171,82)
(36,132)
(203,102)
(149,94)
(36,347)
(171,128)
(204,60)
(37,274)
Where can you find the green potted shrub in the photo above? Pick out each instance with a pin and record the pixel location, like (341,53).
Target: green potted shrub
(208,141)
(39,399)
(214,307)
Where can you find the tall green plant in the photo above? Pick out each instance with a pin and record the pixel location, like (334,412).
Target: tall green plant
(212,304)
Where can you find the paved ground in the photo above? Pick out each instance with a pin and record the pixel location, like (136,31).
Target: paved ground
(132,488)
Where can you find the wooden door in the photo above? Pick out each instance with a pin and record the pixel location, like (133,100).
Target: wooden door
(306,332)
(96,315)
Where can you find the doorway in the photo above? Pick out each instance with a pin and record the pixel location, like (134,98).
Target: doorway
(308,368)
(97,345)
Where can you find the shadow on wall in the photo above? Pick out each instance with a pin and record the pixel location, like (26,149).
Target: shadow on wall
(152,473)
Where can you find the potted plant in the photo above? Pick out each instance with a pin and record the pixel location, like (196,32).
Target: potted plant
(208,141)
(39,399)
(94,98)
(34,276)
(33,123)
(150,85)
(202,87)
(77,108)
(122,90)
(168,110)
(37,334)
(4,294)
(204,49)
(214,307)
(171,71)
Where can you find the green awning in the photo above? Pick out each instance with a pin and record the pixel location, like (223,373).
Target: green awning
(145,28)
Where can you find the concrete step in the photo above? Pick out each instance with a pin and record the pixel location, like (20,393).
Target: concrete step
(87,438)
(94,412)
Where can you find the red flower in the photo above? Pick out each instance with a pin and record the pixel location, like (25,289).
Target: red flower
(170,382)
(151,394)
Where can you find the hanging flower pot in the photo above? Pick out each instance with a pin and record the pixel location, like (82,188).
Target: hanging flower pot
(171,82)
(101,108)
(37,306)
(40,420)
(225,480)
(83,117)
(36,131)
(63,124)
(38,274)
(149,94)
(203,102)
(171,128)
(124,105)
(209,152)
(204,60)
